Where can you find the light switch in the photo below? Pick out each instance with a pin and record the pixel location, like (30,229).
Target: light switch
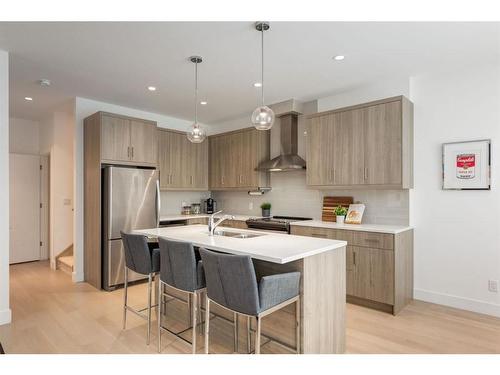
(67,202)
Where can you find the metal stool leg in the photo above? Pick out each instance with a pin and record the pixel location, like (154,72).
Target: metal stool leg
(150,281)
(207,322)
(200,318)
(158,309)
(125,290)
(257,336)
(194,318)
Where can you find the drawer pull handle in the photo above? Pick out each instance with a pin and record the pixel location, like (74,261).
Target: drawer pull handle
(372,240)
(354,258)
(318,235)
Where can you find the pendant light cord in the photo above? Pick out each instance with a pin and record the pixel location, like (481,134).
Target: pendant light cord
(262,62)
(196,92)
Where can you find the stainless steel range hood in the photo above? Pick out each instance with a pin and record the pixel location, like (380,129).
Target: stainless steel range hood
(288,160)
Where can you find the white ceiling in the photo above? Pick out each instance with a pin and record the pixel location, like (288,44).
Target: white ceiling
(115,62)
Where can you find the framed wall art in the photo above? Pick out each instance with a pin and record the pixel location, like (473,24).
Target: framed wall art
(466,165)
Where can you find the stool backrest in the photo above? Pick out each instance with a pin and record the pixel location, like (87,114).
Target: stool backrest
(231,281)
(137,254)
(178,264)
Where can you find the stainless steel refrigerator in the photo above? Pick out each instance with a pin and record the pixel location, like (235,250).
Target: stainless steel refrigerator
(131,200)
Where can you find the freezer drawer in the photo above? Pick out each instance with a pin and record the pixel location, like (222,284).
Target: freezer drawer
(113,263)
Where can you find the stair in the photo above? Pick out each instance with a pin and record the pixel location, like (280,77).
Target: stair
(65,264)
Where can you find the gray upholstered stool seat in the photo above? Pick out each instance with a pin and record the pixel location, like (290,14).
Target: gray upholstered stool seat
(180,270)
(140,258)
(232,283)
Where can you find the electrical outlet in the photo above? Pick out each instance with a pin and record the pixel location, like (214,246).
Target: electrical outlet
(493,286)
(250,206)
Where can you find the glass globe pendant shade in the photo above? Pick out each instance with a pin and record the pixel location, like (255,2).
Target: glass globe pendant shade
(196,133)
(263,118)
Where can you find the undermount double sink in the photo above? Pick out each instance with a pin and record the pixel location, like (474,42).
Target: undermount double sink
(241,235)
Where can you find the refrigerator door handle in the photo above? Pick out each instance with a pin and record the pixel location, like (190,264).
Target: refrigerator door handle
(158,203)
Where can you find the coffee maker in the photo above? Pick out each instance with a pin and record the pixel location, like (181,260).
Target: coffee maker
(210,206)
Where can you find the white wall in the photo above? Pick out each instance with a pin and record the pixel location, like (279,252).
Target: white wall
(457,236)
(57,138)
(23,136)
(5,313)
(85,107)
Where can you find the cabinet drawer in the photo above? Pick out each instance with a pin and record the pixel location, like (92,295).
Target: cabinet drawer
(371,239)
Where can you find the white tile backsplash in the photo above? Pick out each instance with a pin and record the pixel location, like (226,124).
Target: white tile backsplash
(291,197)
(171,201)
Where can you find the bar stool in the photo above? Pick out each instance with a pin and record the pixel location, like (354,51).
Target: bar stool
(145,261)
(232,284)
(180,270)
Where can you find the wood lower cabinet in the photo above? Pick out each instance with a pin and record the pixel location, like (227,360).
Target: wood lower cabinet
(234,157)
(367,145)
(183,165)
(126,140)
(239,224)
(379,266)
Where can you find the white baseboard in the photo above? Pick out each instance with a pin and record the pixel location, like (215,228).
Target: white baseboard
(5,316)
(458,302)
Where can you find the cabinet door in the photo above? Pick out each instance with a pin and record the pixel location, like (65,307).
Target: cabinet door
(244,154)
(214,165)
(200,167)
(319,151)
(164,158)
(143,142)
(177,167)
(348,147)
(350,272)
(373,276)
(115,138)
(383,137)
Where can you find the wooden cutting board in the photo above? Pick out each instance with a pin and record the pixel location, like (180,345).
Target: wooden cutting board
(329,205)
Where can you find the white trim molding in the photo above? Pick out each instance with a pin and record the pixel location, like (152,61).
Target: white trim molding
(5,316)
(458,302)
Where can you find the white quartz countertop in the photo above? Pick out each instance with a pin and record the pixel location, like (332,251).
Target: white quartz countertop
(380,228)
(271,247)
(186,217)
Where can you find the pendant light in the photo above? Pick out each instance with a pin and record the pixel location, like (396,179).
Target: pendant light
(263,116)
(195,133)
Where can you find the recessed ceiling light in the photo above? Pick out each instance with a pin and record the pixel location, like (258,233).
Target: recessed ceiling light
(339,57)
(203,102)
(29,99)
(44,82)
(151,88)
(257,84)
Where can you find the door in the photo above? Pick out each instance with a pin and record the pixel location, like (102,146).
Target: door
(130,200)
(24,215)
(383,140)
(200,168)
(115,138)
(143,142)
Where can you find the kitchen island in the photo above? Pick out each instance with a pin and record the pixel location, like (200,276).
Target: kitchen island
(321,263)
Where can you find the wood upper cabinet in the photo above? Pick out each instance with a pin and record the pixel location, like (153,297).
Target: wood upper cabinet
(234,157)
(183,165)
(143,142)
(115,138)
(365,145)
(128,140)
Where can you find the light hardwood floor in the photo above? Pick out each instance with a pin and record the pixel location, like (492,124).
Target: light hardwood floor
(53,315)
